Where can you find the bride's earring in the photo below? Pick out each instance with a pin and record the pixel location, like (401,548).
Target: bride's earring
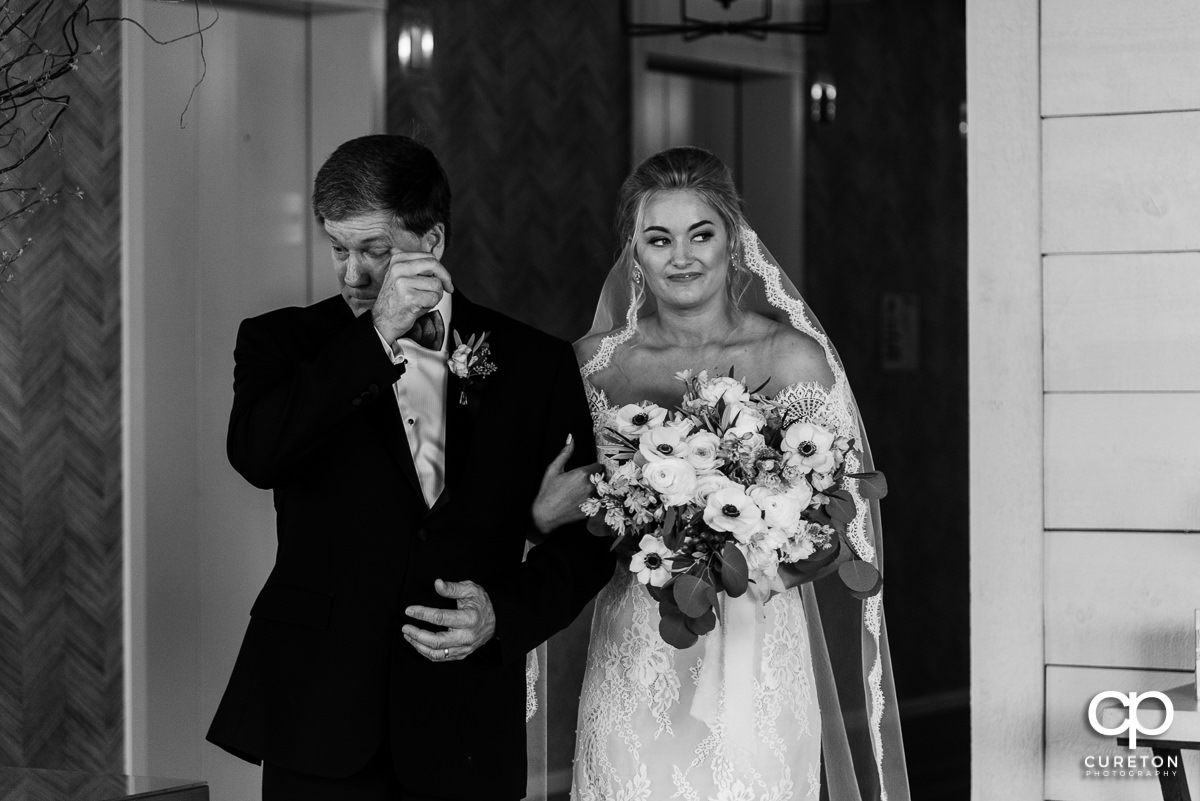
(735,260)
(637,274)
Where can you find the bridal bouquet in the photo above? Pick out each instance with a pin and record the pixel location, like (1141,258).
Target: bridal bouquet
(718,494)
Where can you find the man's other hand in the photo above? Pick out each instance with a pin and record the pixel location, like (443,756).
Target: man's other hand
(414,284)
(468,627)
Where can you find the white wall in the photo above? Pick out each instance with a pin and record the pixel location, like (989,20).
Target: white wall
(1085,278)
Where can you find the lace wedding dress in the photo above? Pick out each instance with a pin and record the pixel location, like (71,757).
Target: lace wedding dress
(722,720)
(786,694)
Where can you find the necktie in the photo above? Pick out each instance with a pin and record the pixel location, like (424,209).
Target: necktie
(428,331)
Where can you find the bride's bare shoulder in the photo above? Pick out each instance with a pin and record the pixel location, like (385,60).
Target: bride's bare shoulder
(586,347)
(796,357)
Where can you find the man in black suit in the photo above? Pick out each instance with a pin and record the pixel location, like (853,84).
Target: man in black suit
(385,655)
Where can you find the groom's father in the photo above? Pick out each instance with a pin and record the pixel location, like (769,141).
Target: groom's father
(385,655)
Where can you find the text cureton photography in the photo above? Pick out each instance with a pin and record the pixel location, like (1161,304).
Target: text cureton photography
(1123,718)
(1132,766)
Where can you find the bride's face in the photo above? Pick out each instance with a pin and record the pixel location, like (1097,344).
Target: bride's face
(683,249)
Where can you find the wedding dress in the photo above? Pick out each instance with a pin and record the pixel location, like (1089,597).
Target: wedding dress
(646,729)
(773,703)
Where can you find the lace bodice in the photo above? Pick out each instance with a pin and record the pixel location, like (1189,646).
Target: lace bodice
(804,400)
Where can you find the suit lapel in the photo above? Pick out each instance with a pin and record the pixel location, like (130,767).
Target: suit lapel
(382,417)
(460,417)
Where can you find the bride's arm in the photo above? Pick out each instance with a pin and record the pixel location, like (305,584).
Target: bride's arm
(562,492)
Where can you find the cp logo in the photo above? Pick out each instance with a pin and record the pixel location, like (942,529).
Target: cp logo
(1131,724)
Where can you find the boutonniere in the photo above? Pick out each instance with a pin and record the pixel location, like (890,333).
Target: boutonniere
(469,360)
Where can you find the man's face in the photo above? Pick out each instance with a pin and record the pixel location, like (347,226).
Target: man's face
(362,252)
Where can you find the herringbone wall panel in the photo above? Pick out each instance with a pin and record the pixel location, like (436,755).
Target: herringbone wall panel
(60,440)
(527,106)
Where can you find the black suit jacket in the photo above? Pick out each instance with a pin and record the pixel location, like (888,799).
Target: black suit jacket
(323,673)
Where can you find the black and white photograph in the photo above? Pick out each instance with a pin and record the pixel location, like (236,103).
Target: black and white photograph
(486,400)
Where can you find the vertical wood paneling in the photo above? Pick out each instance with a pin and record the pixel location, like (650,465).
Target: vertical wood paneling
(1122,322)
(1070,739)
(1121,598)
(1122,461)
(1113,56)
(1121,184)
(1004,333)
(60,450)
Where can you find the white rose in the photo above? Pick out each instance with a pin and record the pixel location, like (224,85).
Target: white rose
(662,443)
(633,419)
(723,387)
(460,361)
(704,451)
(780,511)
(732,510)
(673,479)
(709,483)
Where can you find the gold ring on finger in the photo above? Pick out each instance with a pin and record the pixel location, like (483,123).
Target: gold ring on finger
(445,653)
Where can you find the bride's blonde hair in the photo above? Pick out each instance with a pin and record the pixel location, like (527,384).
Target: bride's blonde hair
(692,169)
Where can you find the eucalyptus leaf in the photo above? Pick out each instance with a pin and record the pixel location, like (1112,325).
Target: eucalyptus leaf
(872,486)
(598,527)
(860,577)
(840,507)
(661,594)
(704,624)
(693,595)
(672,535)
(735,573)
(673,628)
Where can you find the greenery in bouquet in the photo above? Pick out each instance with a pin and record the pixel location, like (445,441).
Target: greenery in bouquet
(727,493)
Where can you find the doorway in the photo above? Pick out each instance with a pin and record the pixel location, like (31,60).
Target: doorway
(216,229)
(747,112)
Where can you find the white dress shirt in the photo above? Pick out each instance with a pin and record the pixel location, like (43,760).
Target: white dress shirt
(421,399)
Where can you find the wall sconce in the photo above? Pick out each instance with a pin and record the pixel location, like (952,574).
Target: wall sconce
(824,102)
(414,45)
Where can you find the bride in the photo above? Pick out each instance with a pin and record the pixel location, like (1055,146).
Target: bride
(791,697)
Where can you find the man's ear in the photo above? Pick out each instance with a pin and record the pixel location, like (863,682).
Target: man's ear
(434,240)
